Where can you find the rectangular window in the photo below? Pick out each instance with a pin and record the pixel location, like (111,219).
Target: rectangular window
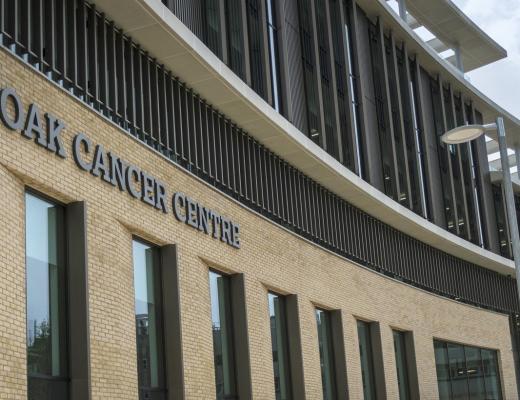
(148,321)
(501,217)
(326,347)
(272,33)
(47,350)
(278,320)
(367,360)
(223,341)
(403,379)
(466,372)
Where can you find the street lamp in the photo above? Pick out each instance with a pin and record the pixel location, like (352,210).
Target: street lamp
(464,134)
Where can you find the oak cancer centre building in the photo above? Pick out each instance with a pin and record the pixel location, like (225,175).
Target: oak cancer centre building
(251,200)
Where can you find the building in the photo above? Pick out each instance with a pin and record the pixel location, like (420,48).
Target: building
(250,200)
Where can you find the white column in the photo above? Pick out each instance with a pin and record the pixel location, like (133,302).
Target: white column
(402,9)
(458,58)
(517,152)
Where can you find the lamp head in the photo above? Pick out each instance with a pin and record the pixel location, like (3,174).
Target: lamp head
(463,134)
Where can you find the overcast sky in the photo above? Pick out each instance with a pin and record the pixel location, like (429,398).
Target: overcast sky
(500,19)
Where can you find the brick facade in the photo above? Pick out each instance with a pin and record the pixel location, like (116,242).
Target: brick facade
(270,258)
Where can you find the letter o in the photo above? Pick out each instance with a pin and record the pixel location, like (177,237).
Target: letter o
(17,122)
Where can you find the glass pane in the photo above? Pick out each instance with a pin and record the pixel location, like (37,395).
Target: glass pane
(401,365)
(443,370)
(491,375)
(46,291)
(367,367)
(222,336)
(475,373)
(459,381)
(280,348)
(147,314)
(326,355)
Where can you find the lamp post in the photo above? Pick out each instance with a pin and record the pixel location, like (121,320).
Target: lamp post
(464,134)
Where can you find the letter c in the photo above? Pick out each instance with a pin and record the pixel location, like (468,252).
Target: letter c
(179,202)
(79,140)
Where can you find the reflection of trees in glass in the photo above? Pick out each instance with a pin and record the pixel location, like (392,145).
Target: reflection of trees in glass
(143,351)
(39,347)
(148,324)
(217,356)
(223,342)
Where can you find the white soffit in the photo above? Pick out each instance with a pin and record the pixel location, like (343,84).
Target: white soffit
(452,26)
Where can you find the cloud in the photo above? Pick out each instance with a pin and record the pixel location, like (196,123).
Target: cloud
(500,81)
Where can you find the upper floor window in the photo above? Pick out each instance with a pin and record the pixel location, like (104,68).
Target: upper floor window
(272,33)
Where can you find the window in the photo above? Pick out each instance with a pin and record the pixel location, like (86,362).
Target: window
(256,46)
(223,348)
(502,225)
(466,372)
(148,321)
(354,96)
(272,32)
(383,119)
(449,207)
(403,379)
(235,37)
(47,350)
(277,316)
(326,354)
(309,70)
(367,360)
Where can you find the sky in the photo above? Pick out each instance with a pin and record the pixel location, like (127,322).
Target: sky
(500,19)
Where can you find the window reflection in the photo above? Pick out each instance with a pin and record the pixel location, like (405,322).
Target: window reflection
(403,379)
(46,301)
(326,355)
(221,318)
(278,322)
(367,361)
(147,287)
(466,372)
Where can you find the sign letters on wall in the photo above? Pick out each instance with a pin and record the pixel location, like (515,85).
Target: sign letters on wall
(112,169)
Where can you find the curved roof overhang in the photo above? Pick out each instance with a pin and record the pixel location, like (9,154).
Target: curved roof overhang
(151,24)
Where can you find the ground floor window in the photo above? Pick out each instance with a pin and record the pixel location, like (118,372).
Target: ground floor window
(466,372)
(223,341)
(328,374)
(403,379)
(278,322)
(367,360)
(47,349)
(148,321)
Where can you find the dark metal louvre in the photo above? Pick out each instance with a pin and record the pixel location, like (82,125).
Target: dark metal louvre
(140,95)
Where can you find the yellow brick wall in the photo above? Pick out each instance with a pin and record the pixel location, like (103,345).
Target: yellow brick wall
(270,257)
